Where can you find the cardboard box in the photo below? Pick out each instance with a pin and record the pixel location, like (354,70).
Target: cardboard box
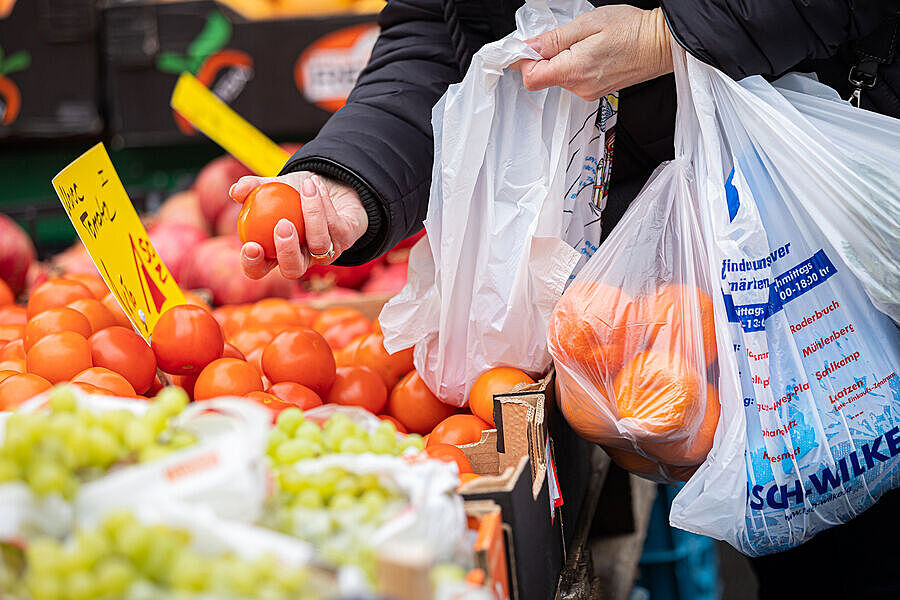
(531,452)
(285,76)
(49,75)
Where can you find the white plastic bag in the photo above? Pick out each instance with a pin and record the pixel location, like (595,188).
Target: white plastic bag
(809,435)
(505,215)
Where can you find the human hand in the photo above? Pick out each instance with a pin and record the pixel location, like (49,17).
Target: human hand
(600,52)
(333,216)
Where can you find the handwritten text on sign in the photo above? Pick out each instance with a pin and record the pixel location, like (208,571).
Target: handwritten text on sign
(112,233)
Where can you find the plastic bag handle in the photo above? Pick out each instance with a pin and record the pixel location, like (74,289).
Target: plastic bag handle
(687,128)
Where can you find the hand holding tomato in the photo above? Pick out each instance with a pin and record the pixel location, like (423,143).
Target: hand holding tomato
(333,216)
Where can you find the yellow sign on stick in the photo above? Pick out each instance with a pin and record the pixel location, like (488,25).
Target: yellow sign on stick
(112,233)
(209,114)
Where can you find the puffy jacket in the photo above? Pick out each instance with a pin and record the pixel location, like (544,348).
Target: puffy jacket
(381,142)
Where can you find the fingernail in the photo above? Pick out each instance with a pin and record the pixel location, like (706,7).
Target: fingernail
(283,229)
(252,252)
(308,188)
(231,190)
(535,44)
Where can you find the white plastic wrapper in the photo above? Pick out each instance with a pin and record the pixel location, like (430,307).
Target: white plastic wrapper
(434,512)
(514,208)
(224,470)
(801,232)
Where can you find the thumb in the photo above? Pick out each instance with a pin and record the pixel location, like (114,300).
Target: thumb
(553,42)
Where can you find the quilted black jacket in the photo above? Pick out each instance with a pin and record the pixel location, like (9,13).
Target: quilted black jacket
(381,141)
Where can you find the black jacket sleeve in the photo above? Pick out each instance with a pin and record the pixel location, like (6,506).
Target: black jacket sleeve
(381,142)
(768,37)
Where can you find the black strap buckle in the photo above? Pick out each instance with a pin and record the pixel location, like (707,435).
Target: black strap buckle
(862,78)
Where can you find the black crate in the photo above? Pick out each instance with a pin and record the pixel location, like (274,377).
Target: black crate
(49,75)
(252,65)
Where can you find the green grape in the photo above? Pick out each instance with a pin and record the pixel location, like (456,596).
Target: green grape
(347,484)
(113,576)
(91,547)
(62,399)
(289,420)
(242,579)
(342,501)
(309,498)
(46,477)
(181,438)
(9,470)
(309,431)
(291,451)
(374,501)
(137,434)
(44,588)
(383,443)
(276,438)
(413,440)
(152,452)
(103,446)
(172,400)
(386,428)
(369,481)
(353,445)
(447,572)
(80,585)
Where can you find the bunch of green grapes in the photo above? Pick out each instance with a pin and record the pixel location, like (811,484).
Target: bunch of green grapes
(294,438)
(55,450)
(335,510)
(124,559)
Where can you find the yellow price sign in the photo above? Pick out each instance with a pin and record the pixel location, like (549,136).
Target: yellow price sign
(209,114)
(112,233)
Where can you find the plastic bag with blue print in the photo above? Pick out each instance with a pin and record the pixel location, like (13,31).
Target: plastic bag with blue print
(809,434)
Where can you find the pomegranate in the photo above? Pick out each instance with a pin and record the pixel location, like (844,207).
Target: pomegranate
(213,183)
(348,277)
(215,264)
(227,222)
(387,279)
(183,207)
(174,242)
(75,259)
(16,254)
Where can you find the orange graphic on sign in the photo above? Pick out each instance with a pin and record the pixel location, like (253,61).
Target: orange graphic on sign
(327,70)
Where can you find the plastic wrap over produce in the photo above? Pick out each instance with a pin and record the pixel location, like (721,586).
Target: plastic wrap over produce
(213,454)
(516,193)
(633,337)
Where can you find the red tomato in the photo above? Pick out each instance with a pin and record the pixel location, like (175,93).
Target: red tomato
(13,364)
(123,351)
(295,394)
(276,314)
(17,389)
(232,352)
(9,333)
(6,294)
(272,403)
(95,312)
(458,430)
(413,404)
(341,334)
(110,302)
(396,423)
(55,320)
(14,350)
(346,356)
(302,356)
(185,382)
(186,339)
(358,386)
(107,380)
(248,340)
(449,453)
(227,377)
(59,356)
(306,315)
(5,374)
(332,316)
(498,380)
(255,359)
(263,208)
(371,353)
(55,293)
(94,283)
(195,299)
(13,315)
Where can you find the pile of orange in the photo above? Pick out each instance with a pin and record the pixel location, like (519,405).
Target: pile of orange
(633,374)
